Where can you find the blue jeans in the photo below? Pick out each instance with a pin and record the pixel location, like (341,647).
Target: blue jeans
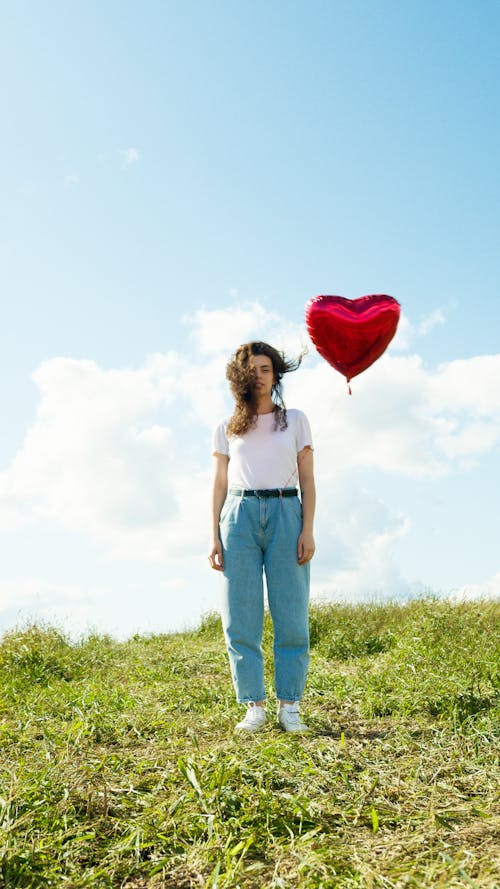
(261,534)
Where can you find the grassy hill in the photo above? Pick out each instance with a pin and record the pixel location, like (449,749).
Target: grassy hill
(119,767)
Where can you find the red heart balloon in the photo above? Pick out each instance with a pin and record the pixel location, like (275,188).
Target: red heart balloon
(352,333)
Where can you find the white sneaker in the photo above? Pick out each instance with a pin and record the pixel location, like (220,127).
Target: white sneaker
(254,720)
(289,718)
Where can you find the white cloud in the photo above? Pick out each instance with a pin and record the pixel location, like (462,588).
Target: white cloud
(17,594)
(78,608)
(71,179)
(407,332)
(404,335)
(221,331)
(403,418)
(429,322)
(490,589)
(129,156)
(35,599)
(97,456)
(470,385)
(356,537)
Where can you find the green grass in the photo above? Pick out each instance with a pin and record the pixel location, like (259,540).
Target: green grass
(119,767)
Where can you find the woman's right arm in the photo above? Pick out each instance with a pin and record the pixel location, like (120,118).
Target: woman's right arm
(219,494)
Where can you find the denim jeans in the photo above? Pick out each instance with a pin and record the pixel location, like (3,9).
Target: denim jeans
(260,534)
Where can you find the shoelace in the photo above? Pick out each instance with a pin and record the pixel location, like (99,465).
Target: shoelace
(253,713)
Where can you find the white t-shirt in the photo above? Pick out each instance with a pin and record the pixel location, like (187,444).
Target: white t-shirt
(264,457)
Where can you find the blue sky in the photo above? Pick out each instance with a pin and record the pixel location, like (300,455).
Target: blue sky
(168,159)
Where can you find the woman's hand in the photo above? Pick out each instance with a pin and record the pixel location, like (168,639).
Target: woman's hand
(219,493)
(215,556)
(305,547)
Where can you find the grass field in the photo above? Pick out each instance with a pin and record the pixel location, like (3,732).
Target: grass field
(119,767)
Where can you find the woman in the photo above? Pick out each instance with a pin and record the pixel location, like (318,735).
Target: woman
(259,524)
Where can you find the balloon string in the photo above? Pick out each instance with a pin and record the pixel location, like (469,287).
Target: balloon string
(300,457)
(349,387)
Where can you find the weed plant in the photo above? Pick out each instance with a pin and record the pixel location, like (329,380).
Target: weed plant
(119,766)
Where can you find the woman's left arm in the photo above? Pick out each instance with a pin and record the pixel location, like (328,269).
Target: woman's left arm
(306,547)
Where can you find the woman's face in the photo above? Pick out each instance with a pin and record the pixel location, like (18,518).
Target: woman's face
(262,367)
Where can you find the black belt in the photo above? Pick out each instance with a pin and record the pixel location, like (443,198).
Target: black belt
(264,492)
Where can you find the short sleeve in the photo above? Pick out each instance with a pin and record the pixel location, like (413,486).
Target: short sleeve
(220,442)
(303,435)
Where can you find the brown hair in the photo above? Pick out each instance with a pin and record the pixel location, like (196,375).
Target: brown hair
(241,377)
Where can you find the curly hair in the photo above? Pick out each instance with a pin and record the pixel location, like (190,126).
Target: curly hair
(241,378)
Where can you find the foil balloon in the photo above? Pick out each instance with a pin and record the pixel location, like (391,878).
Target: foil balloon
(352,333)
